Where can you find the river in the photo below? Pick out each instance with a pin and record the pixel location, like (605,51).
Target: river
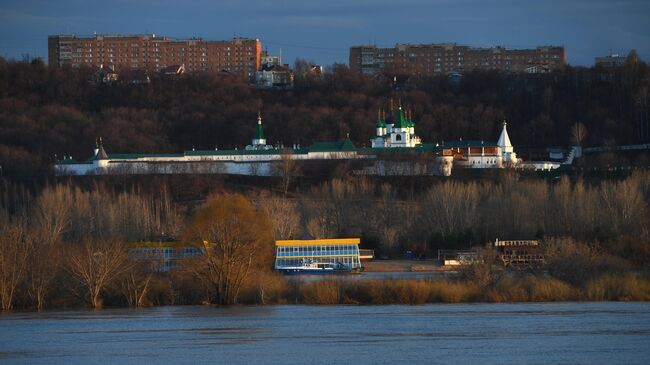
(539,333)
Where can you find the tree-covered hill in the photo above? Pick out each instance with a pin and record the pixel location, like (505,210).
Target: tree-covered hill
(46,111)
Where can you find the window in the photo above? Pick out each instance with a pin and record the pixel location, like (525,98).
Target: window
(398,137)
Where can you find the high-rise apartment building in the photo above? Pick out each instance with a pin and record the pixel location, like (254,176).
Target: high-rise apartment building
(239,56)
(611,61)
(437,59)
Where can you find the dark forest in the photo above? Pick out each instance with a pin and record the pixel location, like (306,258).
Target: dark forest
(46,112)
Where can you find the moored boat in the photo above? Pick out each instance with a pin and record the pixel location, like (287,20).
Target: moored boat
(311,268)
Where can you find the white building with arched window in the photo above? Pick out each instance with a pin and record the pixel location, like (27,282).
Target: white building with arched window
(397,133)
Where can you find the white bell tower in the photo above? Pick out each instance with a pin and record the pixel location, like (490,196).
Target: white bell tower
(507,151)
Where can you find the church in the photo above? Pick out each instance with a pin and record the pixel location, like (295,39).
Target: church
(399,132)
(484,154)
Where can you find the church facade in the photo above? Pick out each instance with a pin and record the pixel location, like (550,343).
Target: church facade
(399,132)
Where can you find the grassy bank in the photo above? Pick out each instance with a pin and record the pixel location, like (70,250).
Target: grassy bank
(527,288)
(273,289)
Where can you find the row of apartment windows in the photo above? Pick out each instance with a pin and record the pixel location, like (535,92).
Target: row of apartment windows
(145,54)
(89,48)
(138,44)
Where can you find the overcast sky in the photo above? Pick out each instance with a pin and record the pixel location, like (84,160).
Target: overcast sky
(323,31)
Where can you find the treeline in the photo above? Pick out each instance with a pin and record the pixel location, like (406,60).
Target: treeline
(452,214)
(46,111)
(67,246)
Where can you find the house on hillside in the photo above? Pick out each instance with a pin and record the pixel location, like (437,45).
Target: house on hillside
(519,253)
(274,77)
(105,75)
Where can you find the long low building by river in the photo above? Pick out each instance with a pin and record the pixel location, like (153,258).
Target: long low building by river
(395,151)
(262,159)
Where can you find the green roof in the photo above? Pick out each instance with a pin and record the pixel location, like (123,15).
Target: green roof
(259,132)
(128,156)
(346,145)
(242,152)
(401,121)
(381,124)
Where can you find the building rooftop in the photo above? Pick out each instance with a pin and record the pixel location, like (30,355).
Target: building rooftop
(467,143)
(342,146)
(315,242)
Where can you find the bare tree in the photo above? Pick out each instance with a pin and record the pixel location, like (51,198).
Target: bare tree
(53,211)
(132,215)
(388,236)
(51,216)
(450,207)
(44,262)
(287,169)
(233,236)
(388,210)
(134,284)
(578,133)
(330,204)
(337,191)
(317,228)
(96,264)
(284,214)
(14,251)
(623,206)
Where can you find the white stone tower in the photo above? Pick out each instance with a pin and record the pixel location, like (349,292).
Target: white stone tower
(507,151)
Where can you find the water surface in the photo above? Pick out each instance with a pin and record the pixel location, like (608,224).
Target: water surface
(576,333)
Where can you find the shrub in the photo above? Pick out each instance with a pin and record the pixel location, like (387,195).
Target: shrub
(628,287)
(446,291)
(411,291)
(321,292)
(264,287)
(549,290)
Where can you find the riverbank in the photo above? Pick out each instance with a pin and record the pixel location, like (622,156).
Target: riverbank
(404,266)
(507,288)
(382,288)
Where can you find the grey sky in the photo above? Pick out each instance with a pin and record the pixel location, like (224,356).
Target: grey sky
(323,31)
